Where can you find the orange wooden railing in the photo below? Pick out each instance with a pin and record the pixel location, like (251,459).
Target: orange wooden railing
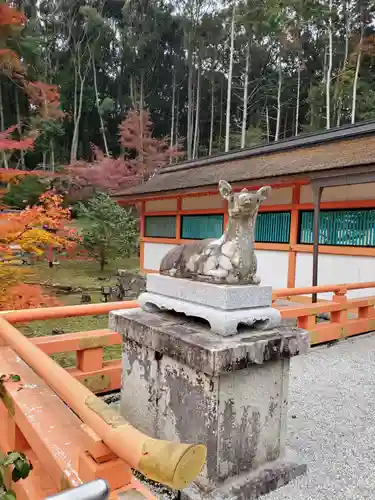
(70,435)
(96,374)
(336,289)
(344,317)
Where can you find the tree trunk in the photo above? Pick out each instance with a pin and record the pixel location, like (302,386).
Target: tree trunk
(177,118)
(245,97)
(196,130)
(52,146)
(2,124)
(268,125)
(102,263)
(171,144)
(190,104)
(356,75)
(141,108)
(132,92)
(75,99)
(329,70)
(278,116)
(102,128)
(212,113)
(19,125)
(221,113)
(230,74)
(82,78)
(345,62)
(298,96)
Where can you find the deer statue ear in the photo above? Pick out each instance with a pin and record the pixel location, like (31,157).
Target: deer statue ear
(264,192)
(225,189)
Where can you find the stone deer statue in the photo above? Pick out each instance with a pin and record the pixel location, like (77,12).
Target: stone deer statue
(230,259)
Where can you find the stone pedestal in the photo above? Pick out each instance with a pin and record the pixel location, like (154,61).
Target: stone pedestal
(182,382)
(224,307)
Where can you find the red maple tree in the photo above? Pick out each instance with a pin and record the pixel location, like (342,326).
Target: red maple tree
(44,98)
(144,156)
(9,144)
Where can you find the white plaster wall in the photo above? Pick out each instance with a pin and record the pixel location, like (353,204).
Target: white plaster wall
(336,269)
(280,196)
(202,202)
(273,268)
(169,204)
(153,254)
(341,193)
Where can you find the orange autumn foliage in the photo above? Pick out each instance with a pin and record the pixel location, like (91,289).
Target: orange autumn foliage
(10,16)
(44,98)
(11,65)
(30,231)
(28,228)
(11,19)
(14,176)
(24,296)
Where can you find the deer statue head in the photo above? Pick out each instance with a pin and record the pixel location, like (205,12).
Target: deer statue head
(244,203)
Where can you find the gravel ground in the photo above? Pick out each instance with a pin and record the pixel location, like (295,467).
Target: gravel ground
(332,422)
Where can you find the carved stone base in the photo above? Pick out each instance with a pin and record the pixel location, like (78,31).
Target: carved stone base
(223,322)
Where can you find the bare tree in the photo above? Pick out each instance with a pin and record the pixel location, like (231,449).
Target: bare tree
(230,76)
(173,112)
(329,69)
(357,68)
(279,104)
(197,107)
(245,96)
(97,101)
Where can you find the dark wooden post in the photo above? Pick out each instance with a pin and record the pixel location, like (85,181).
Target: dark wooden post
(317,195)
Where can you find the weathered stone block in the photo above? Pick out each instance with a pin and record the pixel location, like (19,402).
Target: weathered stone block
(182,382)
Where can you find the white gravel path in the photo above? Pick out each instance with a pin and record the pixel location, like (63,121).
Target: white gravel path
(332,422)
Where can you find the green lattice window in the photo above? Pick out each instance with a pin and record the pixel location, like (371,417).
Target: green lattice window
(340,227)
(160,226)
(200,227)
(272,227)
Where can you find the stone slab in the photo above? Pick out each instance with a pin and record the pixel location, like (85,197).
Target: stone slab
(226,297)
(193,343)
(222,322)
(253,484)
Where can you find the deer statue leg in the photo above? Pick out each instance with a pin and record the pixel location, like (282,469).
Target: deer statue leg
(253,272)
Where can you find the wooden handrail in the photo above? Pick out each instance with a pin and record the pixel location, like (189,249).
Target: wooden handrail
(91,370)
(26,315)
(325,307)
(291,292)
(173,464)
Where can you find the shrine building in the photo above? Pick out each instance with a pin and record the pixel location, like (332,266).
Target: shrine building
(322,184)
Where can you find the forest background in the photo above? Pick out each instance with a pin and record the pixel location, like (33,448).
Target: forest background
(214,76)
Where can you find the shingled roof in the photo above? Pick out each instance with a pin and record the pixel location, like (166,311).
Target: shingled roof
(307,156)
